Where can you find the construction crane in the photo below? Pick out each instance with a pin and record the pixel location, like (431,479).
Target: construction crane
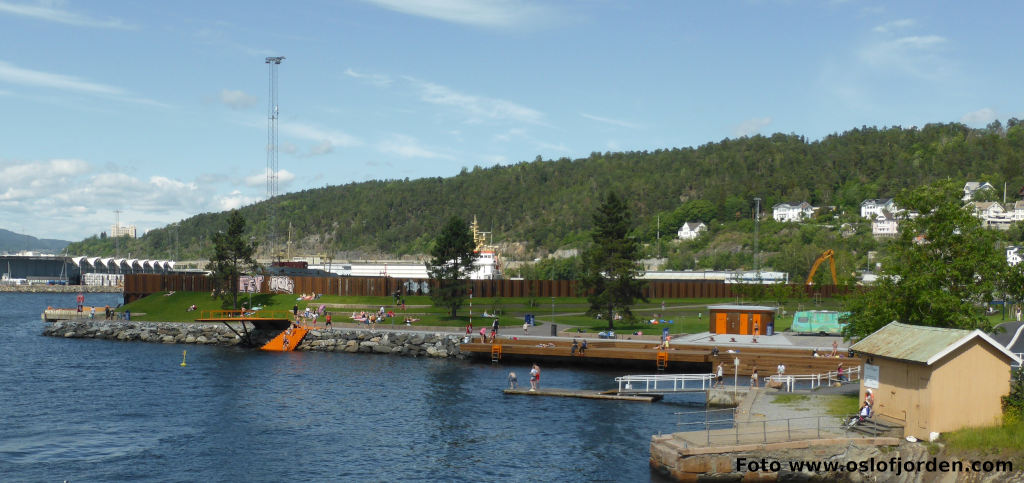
(830,256)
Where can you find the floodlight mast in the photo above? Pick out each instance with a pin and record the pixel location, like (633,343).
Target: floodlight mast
(272,142)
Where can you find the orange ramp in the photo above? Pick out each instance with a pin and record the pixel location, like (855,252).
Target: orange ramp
(294,336)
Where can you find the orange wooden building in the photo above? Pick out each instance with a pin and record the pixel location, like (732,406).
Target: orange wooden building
(741,319)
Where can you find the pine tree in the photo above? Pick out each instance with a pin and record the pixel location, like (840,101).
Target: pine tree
(232,257)
(452,260)
(611,265)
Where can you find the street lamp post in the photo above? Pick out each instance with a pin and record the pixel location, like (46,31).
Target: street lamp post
(736,375)
(552,310)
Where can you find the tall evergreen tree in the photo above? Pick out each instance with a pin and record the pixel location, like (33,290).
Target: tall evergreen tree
(232,256)
(611,265)
(941,271)
(452,260)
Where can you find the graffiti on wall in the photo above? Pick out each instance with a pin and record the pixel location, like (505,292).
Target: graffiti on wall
(250,283)
(282,284)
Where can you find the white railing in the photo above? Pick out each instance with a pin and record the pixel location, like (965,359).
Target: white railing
(665,383)
(815,380)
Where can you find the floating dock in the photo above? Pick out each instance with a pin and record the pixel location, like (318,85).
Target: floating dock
(609,395)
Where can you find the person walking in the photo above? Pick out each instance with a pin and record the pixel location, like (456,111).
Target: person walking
(526,328)
(534,377)
(719,374)
(753,378)
(327,319)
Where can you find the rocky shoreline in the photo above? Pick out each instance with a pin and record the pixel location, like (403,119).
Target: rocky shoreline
(402,343)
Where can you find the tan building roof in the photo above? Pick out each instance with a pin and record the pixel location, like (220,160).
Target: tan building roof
(918,343)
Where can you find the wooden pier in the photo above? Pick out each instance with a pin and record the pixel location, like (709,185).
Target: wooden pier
(679,357)
(608,395)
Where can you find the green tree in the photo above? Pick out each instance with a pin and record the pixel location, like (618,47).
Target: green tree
(940,271)
(232,257)
(610,266)
(452,260)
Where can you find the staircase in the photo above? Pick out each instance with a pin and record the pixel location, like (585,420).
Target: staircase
(293,335)
(877,426)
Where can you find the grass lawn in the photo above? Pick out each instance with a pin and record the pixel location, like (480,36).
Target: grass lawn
(992,439)
(790,398)
(687,315)
(843,406)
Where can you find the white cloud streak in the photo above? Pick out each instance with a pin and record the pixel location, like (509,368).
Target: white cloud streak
(13,74)
(408,147)
(613,122)
(503,14)
(895,25)
(44,10)
(477,108)
(375,79)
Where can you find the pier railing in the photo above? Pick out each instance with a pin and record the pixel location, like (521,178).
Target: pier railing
(816,380)
(661,383)
(763,432)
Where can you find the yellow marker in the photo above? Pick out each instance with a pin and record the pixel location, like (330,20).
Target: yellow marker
(183,358)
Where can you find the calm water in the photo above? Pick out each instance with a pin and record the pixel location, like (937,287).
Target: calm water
(94,410)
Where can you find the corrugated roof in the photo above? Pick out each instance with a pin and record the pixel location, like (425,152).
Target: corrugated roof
(918,343)
(760,308)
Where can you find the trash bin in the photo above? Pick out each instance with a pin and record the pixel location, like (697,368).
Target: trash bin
(554,330)
(771,329)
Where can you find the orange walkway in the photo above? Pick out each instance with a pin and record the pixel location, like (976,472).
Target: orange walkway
(294,337)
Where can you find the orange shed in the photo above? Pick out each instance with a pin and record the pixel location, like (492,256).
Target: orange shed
(741,319)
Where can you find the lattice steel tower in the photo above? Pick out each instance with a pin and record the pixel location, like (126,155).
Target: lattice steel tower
(272,114)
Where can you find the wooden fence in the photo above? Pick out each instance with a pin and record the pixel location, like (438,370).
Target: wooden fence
(140,285)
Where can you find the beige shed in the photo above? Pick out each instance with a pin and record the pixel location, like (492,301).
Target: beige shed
(935,380)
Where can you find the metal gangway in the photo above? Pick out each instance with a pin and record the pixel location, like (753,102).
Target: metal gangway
(815,380)
(664,383)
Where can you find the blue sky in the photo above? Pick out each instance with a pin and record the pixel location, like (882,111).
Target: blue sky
(159,109)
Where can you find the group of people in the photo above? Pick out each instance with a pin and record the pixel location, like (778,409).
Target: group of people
(867,409)
(578,347)
(513,381)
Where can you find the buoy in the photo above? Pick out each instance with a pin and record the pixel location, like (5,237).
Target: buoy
(183,358)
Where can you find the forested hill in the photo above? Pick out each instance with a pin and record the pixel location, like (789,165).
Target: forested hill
(11,242)
(545,205)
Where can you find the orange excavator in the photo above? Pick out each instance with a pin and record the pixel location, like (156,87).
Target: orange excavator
(830,256)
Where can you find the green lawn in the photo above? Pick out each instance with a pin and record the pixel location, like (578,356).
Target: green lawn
(687,315)
(992,439)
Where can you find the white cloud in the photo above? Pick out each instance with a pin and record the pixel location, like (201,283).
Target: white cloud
(613,122)
(284,177)
(234,201)
(895,25)
(325,147)
(17,75)
(236,99)
(492,13)
(315,133)
(476,107)
(45,10)
(979,117)
(375,79)
(918,55)
(408,147)
(751,127)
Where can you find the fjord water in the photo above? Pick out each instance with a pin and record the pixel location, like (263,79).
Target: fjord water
(97,410)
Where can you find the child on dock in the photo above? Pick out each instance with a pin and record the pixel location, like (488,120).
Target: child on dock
(513,382)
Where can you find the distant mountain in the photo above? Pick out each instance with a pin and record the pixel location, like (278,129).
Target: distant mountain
(11,242)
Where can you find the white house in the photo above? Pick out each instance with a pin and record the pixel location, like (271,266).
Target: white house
(972,187)
(691,230)
(792,211)
(1015,211)
(885,225)
(1013,255)
(872,208)
(992,214)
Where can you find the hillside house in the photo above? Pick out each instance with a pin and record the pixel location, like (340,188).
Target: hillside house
(991,213)
(935,380)
(1015,211)
(885,225)
(870,209)
(792,211)
(972,187)
(1013,255)
(691,230)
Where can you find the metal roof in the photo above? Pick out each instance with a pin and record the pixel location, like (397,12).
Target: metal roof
(918,343)
(760,308)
